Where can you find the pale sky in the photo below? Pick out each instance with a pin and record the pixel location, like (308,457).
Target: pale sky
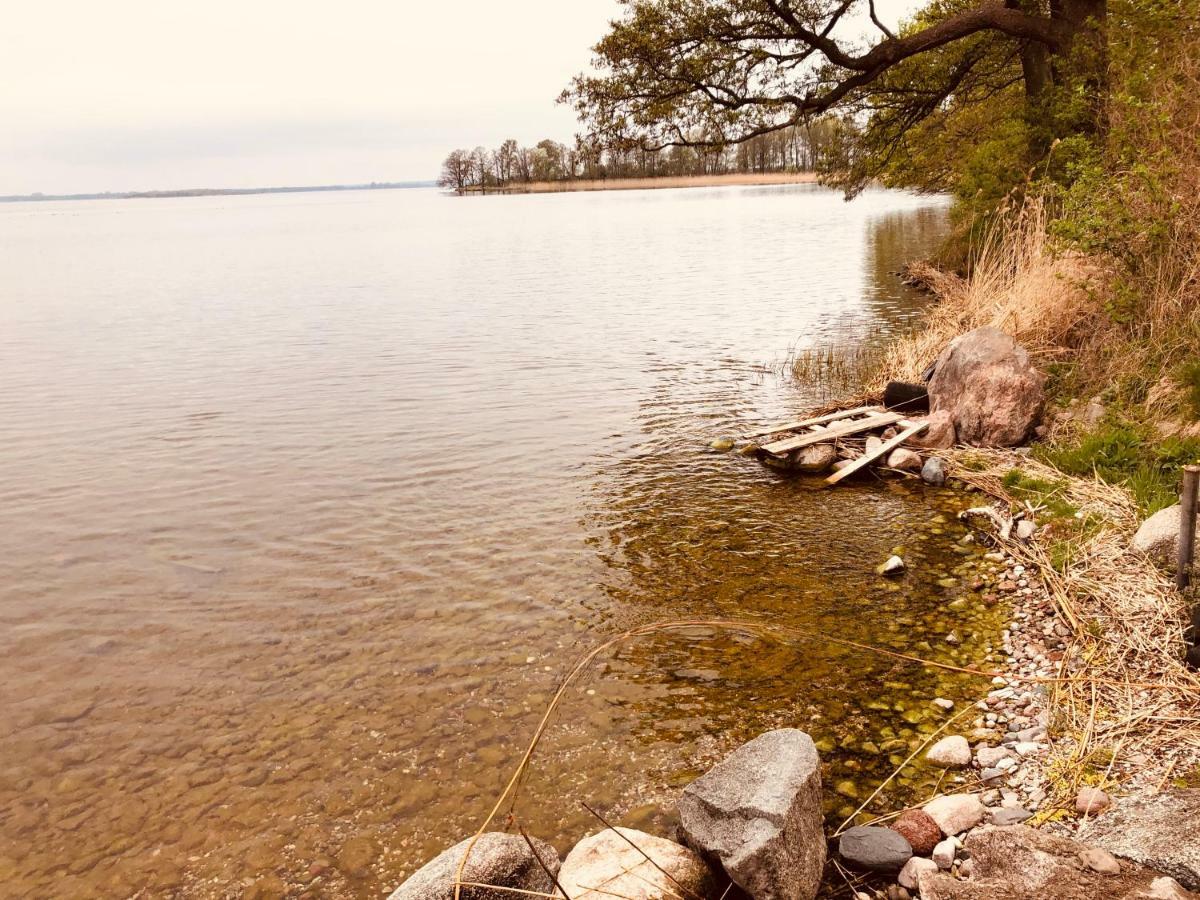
(155,94)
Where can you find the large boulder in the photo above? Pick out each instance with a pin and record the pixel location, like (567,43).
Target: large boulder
(1021,863)
(1158,831)
(939,432)
(988,384)
(1158,536)
(632,864)
(757,813)
(502,860)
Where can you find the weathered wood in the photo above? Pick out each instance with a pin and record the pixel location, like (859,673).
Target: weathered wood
(870,423)
(1187,526)
(867,458)
(818,420)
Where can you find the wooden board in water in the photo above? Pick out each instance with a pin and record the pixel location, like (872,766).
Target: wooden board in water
(870,423)
(818,420)
(867,458)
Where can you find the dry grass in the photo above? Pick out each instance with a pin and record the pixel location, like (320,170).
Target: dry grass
(1122,687)
(1018,284)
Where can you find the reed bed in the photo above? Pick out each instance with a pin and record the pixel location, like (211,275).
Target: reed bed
(1123,690)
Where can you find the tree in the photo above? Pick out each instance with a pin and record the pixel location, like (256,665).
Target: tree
(506,161)
(708,73)
(456,171)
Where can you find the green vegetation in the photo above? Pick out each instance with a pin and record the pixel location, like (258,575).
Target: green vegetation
(1067,525)
(1130,454)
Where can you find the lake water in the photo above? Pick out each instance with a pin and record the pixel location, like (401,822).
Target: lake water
(308,502)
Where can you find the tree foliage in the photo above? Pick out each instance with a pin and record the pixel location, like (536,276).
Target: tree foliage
(708,73)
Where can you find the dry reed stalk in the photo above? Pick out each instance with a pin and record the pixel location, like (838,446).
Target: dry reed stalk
(1122,686)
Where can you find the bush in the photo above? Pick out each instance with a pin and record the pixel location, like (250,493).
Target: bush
(1129,455)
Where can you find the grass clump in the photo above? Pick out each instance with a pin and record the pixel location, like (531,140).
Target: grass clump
(1129,455)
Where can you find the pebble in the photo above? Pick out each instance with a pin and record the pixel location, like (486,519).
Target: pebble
(921,831)
(943,703)
(1010,815)
(1090,801)
(912,869)
(987,757)
(955,813)
(874,848)
(943,853)
(1100,861)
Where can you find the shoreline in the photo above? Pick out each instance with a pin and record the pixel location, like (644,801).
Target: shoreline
(747,179)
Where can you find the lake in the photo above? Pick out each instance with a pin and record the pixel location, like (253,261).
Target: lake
(309,501)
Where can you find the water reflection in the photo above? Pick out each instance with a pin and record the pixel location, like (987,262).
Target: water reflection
(297,546)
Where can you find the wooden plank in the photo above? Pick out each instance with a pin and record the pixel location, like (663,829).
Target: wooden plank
(819,420)
(833,431)
(867,458)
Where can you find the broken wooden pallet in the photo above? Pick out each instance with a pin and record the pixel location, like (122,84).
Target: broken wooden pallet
(868,422)
(885,447)
(816,420)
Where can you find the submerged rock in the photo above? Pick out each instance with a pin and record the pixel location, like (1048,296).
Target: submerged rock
(722,444)
(894,565)
(503,860)
(874,849)
(758,814)
(610,864)
(988,384)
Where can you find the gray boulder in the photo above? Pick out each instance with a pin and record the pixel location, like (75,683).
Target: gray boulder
(633,865)
(874,849)
(1158,831)
(934,471)
(1158,536)
(988,384)
(502,860)
(1021,863)
(757,814)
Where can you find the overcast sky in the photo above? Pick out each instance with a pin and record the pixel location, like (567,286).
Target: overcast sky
(148,94)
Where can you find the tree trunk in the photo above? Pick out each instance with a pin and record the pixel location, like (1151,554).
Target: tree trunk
(1083,60)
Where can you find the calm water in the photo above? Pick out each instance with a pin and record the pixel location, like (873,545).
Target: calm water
(308,501)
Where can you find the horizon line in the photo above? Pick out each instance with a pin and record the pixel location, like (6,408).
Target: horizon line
(38,196)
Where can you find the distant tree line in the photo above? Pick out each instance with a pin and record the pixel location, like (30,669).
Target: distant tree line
(800,148)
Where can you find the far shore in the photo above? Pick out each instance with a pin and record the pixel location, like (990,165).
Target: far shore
(666,181)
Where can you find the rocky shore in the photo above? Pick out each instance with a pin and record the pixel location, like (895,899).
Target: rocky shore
(753,824)
(1017,812)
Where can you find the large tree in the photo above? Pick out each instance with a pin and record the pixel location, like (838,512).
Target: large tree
(706,73)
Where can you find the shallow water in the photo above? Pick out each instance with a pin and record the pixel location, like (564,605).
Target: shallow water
(308,502)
